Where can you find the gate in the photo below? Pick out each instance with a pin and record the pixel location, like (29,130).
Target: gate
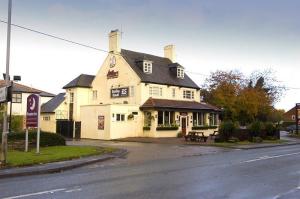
(77,130)
(64,128)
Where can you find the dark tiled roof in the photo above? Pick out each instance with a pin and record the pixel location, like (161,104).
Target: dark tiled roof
(177,105)
(83,81)
(162,72)
(51,105)
(20,88)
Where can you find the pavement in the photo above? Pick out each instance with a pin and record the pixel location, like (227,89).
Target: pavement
(236,174)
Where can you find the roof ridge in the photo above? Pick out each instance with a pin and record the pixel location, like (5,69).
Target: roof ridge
(145,54)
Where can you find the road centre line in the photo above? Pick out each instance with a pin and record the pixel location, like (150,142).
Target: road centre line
(269,157)
(36,194)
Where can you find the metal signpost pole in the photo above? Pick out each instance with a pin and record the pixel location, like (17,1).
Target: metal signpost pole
(10,107)
(297,118)
(38,127)
(4,134)
(26,140)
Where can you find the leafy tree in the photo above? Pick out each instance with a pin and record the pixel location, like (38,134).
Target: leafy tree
(243,99)
(221,89)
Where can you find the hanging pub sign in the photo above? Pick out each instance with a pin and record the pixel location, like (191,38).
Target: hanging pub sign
(119,92)
(3,94)
(111,74)
(101,122)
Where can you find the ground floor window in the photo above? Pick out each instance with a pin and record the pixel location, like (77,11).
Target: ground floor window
(46,118)
(17,97)
(120,117)
(166,117)
(213,119)
(147,119)
(198,119)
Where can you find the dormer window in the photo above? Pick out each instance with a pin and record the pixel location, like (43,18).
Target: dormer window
(180,72)
(147,67)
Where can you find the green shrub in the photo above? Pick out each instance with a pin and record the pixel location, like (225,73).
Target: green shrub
(270,128)
(218,139)
(146,128)
(233,140)
(16,123)
(46,139)
(166,128)
(204,127)
(257,139)
(256,128)
(271,138)
(227,130)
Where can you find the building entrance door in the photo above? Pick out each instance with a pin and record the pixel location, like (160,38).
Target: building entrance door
(183,125)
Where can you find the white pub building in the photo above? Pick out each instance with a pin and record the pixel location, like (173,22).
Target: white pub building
(134,95)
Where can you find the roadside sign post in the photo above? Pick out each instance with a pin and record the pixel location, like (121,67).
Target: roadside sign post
(33,118)
(5,129)
(297,117)
(26,140)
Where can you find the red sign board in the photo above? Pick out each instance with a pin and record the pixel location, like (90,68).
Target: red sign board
(111,74)
(32,113)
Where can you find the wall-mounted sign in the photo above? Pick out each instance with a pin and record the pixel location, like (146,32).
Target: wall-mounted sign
(183,113)
(119,92)
(32,113)
(111,74)
(101,122)
(112,61)
(3,94)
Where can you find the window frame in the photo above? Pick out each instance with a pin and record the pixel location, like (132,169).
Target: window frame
(165,114)
(188,94)
(95,94)
(121,117)
(155,91)
(147,67)
(173,92)
(15,98)
(180,72)
(71,97)
(198,119)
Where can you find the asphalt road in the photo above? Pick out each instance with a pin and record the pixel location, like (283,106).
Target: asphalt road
(253,174)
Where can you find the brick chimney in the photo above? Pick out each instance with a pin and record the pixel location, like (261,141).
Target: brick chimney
(170,52)
(114,41)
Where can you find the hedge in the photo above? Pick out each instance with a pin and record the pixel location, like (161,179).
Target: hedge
(167,128)
(146,128)
(204,127)
(46,139)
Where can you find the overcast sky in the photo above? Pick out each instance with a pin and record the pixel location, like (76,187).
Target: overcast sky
(209,35)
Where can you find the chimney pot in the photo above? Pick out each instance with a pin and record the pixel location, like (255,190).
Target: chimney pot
(170,52)
(114,41)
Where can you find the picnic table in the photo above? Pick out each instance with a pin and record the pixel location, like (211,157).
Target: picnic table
(213,135)
(196,136)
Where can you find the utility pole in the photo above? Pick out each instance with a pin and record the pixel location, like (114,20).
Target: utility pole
(5,129)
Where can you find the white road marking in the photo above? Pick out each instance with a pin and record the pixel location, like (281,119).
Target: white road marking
(73,190)
(36,194)
(269,157)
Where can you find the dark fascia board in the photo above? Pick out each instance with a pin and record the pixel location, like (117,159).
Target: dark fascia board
(179,109)
(76,87)
(149,82)
(47,112)
(33,93)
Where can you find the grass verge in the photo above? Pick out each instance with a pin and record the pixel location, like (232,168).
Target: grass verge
(230,144)
(53,154)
